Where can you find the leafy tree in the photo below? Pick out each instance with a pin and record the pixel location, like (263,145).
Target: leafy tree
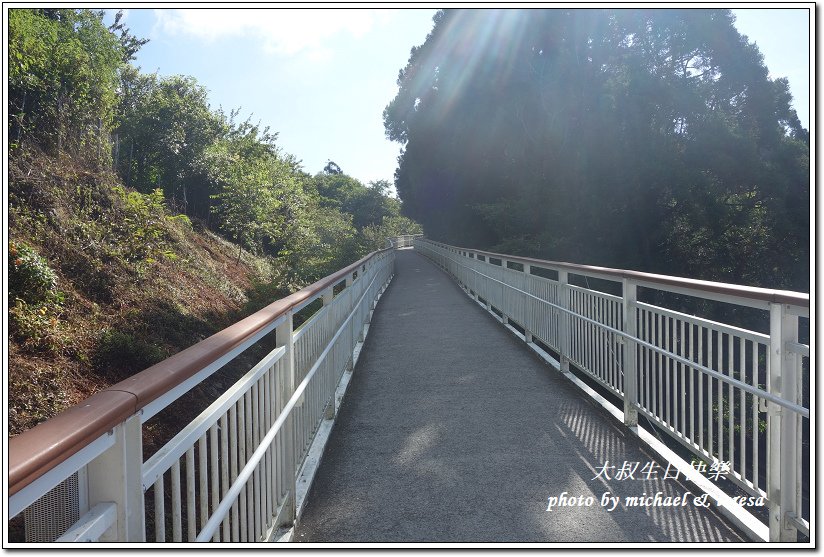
(319,242)
(63,67)
(644,138)
(164,127)
(367,204)
(251,180)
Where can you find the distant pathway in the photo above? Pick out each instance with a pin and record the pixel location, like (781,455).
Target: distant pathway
(453,431)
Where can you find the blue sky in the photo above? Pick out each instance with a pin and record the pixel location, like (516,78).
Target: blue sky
(321,78)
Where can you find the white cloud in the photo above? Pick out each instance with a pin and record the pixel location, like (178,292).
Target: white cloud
(281,31)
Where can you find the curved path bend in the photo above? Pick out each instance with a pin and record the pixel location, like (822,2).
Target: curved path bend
(453,431)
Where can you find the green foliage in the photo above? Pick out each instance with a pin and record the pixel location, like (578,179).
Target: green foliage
(373,237)
(645,139)
(34,299)
(129,43)
(368,205)
(320,243)
(252,181)
(63,66)
(164,127)
(143,230)
(30,277)
(36,326)
(120,354)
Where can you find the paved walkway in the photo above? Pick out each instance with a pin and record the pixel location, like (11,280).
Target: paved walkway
(453,431)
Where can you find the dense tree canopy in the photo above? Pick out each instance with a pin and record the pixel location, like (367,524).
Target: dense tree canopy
(647,139)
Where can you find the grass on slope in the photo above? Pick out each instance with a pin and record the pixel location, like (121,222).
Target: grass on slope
(104,282)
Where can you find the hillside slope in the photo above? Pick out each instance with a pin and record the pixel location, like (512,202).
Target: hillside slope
(104,282)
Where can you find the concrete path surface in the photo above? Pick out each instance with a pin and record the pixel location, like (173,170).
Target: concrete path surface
(453,431)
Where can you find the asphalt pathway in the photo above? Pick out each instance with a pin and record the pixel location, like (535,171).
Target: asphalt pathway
(453,431)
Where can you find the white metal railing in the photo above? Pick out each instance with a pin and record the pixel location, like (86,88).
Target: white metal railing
(726,393)
(230,474)
(403,241)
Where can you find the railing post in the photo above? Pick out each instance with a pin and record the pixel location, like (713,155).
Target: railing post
(563,333)
(117,476)
(328,295)
(782,425)
(630,355)
(284,337)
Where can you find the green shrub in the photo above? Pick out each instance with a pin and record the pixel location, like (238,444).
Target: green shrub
(120,354)
(30,277)
(34,300)
(143,230)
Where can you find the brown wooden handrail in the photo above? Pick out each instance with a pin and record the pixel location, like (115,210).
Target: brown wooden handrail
(751,292)
(38,450)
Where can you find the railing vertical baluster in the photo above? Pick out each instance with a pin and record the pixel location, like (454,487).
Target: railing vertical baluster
(720,413)
(700,356)
(609,350)
(177,523)
(666,414)
(159,511)
(672,374)
(659,412)
(203,484)
(597,336)
(590,354)
(214,483)
(710,383)
(233,451)
(578,346)
(243,442)
(683,383)
(224,468)
(280,442)
(649,359)
(260,469)
(755,416)
(654,370)
(615,349)
(271,378)
(720,365)
(191,508)
(576,340)
(630,327)
(690,357)
(266,463)
(742,408)
(257,512)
